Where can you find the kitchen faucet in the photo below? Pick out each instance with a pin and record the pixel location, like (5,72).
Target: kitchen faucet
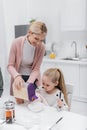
(74,42)
(52,46)
(52,54)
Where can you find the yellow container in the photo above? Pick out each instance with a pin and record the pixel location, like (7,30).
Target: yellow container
(52,55)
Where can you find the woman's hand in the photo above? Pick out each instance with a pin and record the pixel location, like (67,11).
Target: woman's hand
(19,101)
(60,103)
(18,82)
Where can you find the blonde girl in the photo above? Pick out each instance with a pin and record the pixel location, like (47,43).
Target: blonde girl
(53,88)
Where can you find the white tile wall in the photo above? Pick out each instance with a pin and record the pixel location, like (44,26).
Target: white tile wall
(64,48)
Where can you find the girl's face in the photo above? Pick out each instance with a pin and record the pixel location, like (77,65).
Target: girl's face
(36,39)
(48,85)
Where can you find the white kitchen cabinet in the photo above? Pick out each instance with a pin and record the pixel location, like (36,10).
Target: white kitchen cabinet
(71,75)
(73,15)
(83,82)
(46,65)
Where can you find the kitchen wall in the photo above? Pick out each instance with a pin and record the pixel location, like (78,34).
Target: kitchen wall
(2,41)
(49,12)
(20,12)
(54,14)
(65,48)
(14,13)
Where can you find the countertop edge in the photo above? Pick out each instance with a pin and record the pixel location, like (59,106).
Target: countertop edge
(46,59)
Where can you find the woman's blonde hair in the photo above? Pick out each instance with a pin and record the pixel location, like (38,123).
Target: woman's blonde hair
(38,27)
(55,74)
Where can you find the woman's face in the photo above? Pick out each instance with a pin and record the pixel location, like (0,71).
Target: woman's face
(36,39)
(48,85)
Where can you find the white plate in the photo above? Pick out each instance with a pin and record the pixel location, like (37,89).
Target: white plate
(36,106)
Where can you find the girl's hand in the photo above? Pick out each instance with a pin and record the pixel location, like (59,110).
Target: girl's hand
(18,82)
(60,103)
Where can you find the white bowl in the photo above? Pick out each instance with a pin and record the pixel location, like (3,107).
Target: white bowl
(36,106)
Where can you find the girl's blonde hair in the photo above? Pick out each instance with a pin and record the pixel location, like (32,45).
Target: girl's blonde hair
(55,74)
(38,27)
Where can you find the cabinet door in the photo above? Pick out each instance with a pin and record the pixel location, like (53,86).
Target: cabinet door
(46,65)
(73,16)
(71,75)
(83,82)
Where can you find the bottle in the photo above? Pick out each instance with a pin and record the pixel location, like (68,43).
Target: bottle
(9,111)
(52,55)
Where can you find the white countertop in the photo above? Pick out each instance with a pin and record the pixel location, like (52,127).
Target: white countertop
(44,119)
(60,60)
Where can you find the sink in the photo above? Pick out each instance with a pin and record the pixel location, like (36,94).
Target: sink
(70,58)
(75,59)
(83,59)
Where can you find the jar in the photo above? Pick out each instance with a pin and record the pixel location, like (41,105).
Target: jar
(9,111)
